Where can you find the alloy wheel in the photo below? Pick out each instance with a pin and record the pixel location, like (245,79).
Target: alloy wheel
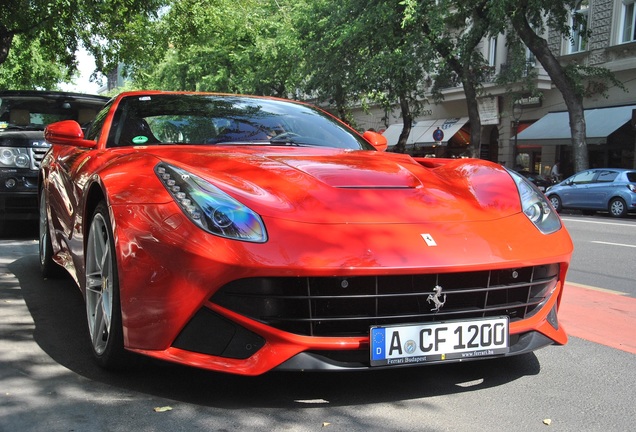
(617,208)
(43,230)
(99,284)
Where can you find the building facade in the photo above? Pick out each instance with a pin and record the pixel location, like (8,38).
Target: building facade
(528,132)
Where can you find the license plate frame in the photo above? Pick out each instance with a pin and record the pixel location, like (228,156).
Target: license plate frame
(439,341)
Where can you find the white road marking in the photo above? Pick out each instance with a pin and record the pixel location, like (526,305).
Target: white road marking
(599,222)
(614,244)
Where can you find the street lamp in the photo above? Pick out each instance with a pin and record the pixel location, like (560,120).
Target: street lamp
(517,111)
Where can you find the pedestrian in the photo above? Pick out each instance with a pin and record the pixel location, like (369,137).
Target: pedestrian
(555,173)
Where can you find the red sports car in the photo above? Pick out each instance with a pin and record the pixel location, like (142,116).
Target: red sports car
(244,234)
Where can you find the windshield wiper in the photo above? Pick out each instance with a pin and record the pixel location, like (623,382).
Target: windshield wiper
(293,139)
(287,138)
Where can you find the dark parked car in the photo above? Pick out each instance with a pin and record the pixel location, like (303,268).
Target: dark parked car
(23,117)
(602,189)
(540,181)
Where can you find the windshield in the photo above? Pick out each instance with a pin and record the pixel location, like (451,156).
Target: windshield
(227,120)
(34,111)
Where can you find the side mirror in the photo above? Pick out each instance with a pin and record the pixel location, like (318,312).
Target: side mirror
(67,132)
(376,140)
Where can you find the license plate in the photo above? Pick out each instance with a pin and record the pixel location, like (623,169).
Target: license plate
(450,340)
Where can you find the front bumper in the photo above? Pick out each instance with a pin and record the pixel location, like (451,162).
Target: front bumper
(250,348)
(18,194)
(316,361)
(164,294)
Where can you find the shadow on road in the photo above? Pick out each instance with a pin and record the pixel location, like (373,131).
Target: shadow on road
(57,309)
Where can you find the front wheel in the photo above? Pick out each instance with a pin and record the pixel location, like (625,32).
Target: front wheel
(48,267)
(617,207)
(103,309)
(556,202)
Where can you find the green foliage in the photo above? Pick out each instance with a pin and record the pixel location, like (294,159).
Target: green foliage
(343,53)
(360,51)
(591,81)
(56,28)
(26,69)
(242,46)
(453,29)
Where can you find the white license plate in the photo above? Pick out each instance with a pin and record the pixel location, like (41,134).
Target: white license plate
(420,343)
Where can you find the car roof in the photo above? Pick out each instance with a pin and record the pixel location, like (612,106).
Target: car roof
(133,93)
(50,94)
(618,170)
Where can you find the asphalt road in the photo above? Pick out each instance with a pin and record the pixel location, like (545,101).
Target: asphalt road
(48,381)
(604,252)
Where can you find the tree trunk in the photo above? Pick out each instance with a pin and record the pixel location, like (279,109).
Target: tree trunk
(573,100)
(473,118)
(407,118)
(6,39)
(464,71)
(341,105)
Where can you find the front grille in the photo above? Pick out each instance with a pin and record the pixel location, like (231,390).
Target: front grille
(37,154)
(20,204)
(348,306)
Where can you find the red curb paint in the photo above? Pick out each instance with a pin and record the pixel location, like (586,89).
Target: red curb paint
(599,316)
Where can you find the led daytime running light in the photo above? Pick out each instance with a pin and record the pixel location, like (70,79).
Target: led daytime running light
(209,207)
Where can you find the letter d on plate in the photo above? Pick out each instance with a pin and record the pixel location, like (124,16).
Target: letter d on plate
(378,343)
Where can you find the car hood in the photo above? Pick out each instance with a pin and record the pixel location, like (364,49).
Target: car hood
(10,137)
(320,185)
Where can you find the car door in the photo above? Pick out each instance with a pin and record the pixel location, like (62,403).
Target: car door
(575,193)
(601,189)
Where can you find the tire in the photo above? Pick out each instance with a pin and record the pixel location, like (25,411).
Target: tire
(48,267)
(617,208)
(103,308)
(556,202)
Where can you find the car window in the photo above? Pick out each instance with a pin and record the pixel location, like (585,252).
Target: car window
(33,111)
(232,120)
(606,176)
(583,177)
(95,129)
(631,176)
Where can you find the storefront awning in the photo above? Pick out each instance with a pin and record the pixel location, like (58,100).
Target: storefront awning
(422,131)
(554,128)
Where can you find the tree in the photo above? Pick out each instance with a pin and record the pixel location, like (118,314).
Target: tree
(26,69)
(58,27)
(454,29)
(360,51)
(529,19)
(328,57)
(236,46)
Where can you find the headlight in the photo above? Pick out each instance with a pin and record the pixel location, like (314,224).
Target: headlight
(209,207)
(14,157)
(536,206)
